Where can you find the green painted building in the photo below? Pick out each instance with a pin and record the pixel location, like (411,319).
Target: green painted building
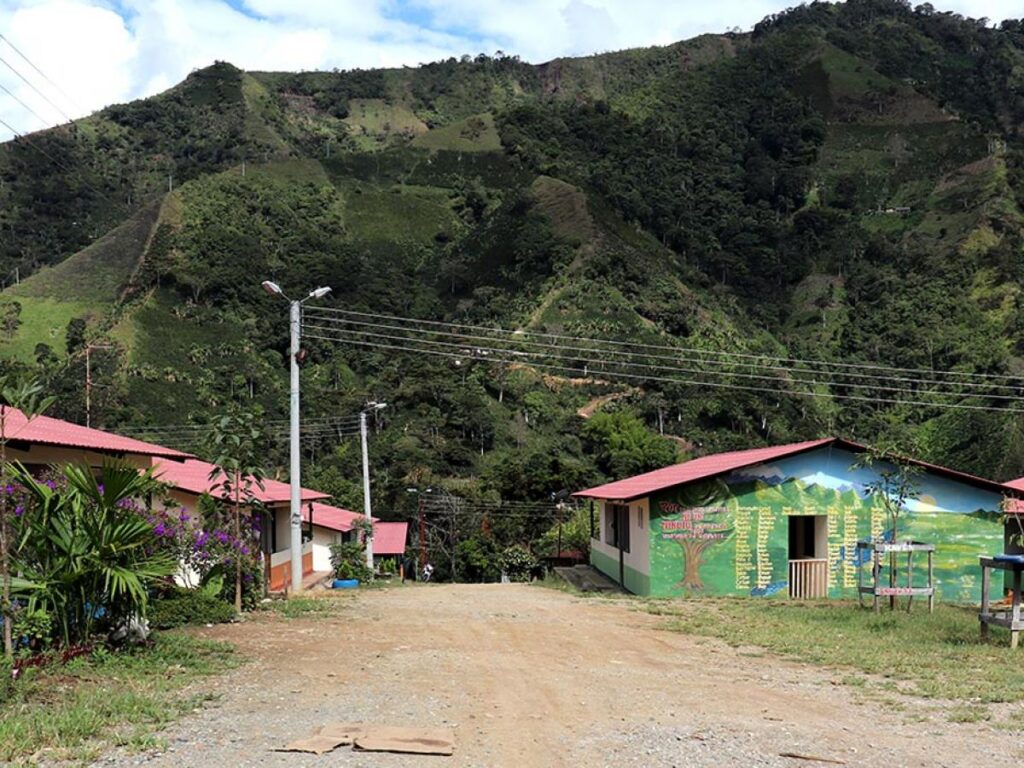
(773,521)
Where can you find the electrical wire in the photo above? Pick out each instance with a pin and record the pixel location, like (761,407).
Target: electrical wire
(42,74)
(599,364)
(30,85)
(636,345)
(25,106)
(664,379)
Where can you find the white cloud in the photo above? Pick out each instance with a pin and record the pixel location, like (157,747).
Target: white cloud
(104,51)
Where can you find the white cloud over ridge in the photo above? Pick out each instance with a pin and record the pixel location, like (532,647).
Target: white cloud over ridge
(107,51)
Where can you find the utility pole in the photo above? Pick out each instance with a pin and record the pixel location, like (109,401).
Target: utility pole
(295,460)
(366,492)
(423,537)
(295,463)
(367,510)
(88,379)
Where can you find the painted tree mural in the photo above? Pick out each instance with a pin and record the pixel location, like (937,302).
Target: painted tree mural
(694,527)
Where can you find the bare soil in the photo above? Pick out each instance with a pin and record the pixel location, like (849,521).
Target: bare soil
(528,676)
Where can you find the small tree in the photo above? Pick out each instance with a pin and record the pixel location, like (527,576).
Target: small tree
(25,395)
(235,445)
(894,485)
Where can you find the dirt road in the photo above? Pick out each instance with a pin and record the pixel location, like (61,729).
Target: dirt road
(528,676)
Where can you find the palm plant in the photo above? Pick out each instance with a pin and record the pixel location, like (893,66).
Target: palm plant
(24,395)
(85,549)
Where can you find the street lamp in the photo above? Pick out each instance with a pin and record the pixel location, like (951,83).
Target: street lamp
(295,471)
(370,406)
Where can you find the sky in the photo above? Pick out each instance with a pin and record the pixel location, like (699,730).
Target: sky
(81,55)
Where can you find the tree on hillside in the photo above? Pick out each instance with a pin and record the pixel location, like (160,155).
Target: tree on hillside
(624,446)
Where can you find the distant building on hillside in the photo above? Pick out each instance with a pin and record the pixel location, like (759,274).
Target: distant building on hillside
(738,523)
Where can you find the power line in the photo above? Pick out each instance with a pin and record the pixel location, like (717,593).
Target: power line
(884,369)
(600,363)
(30,85)
(526,361)
(680,356)
(598,368)
(42,74)
(35,114)
(342,420)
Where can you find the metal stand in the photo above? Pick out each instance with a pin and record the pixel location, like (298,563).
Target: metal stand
(893,591)
(1003,618)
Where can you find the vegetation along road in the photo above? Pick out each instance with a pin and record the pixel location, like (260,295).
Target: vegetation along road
(528,676)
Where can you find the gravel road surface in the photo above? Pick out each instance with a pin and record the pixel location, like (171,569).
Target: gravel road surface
(527,676)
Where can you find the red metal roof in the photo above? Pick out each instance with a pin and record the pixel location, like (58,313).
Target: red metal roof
(194,476)
(334,518)
(45,430)
(389,538)
(697,469)
(720,463)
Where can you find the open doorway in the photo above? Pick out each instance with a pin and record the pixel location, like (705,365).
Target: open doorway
(808,556)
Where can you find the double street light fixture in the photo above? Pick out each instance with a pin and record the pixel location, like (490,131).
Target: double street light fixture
(295,471)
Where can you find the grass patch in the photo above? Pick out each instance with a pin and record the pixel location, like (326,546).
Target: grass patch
(938,655)
(474,134)
(302,607)
(107,699)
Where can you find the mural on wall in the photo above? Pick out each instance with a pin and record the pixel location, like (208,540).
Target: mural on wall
(731,535)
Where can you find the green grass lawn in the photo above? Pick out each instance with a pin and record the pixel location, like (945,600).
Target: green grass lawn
(937,656)
(73,712)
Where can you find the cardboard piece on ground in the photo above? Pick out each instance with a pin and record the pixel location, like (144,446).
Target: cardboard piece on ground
(345,732)
(419,741)
(318,744)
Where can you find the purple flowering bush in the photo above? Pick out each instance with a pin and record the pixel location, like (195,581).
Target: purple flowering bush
(207,549)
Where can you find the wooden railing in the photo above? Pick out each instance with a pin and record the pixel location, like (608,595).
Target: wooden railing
(808,578)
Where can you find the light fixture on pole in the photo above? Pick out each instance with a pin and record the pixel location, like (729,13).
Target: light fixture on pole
(367,511)
(295,471)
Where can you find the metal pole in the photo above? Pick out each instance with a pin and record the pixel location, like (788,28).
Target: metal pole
(366,493)
(423,537)
(88,387)
(295,474)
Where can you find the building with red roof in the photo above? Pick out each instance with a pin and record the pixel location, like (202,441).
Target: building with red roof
(389,539)
(45,441)
(785,520)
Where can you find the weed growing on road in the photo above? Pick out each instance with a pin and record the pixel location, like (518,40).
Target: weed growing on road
(120,699)
(301,607)
(938,655)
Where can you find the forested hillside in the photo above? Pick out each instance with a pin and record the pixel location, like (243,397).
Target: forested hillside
(843,185)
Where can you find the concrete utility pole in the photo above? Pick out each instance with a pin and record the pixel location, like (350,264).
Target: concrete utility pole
(295,464)
(367,510)
(295,468)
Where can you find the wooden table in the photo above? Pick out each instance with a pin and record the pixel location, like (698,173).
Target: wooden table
(1010,619)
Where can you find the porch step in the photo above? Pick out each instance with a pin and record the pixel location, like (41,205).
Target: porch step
(586,578)
(317,580)
(314,580)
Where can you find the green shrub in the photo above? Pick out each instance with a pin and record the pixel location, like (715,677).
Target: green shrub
(33,628)
(349,562)
(517,562)
(188,606)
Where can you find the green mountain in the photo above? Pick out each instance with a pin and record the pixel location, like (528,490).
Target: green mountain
(842,184)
